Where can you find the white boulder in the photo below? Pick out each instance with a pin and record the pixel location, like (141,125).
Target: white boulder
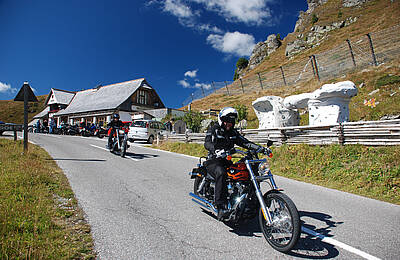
(330,103)
(297,101)
(271,113)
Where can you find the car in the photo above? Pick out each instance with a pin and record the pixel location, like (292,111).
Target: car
(146,130)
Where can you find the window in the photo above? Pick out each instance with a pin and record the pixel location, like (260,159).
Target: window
(142,97)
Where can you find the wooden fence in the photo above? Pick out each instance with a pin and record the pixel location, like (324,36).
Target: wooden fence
(385,132)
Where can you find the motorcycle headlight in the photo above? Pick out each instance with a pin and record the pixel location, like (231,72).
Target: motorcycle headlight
(263,168)
(121,132)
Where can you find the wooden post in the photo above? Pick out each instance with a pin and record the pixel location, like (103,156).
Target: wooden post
(313,68)
(341,134)
(26,98)
(372,49)
(227,90)
(351,52)
(316,67)
(241,84)
(15,135)
(283,76)
(259,78)
(283,136)
(213,86)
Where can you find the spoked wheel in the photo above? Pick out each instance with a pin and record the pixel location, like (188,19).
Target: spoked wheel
(284,232)
(123,147)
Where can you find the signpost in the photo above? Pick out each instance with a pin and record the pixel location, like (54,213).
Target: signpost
(26,94)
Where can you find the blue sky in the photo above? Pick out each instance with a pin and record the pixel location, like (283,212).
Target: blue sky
(177,45)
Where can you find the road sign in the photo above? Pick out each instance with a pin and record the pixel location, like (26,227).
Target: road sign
(21,93)
(26,94)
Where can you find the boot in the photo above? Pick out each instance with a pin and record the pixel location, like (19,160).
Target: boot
(222,212)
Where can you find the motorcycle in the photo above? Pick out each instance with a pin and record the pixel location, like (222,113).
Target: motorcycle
(119,141)
(100,132)
(277,214)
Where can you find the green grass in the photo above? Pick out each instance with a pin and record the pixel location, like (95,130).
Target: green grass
(372,172)
(39,215)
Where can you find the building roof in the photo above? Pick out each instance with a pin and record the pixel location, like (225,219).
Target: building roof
(58,96)
(43,113)
(103,97)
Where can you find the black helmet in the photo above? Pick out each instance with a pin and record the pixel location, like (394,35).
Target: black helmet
(116,116)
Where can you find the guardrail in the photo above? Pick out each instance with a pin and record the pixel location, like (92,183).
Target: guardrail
(385,132)
(11,127)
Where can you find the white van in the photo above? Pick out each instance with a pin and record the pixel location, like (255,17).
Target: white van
(145,130)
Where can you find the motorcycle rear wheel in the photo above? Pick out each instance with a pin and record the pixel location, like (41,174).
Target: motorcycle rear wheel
(284,232)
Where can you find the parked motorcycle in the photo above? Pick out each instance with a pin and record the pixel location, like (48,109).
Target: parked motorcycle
(72,130)
(119,142)
(84,132)
(277,214)
(100,132)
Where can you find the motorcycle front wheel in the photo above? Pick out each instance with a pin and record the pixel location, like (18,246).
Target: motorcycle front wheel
(123,147)
(284,232)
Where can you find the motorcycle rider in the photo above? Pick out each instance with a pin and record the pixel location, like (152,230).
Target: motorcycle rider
(114,123)
(221,138)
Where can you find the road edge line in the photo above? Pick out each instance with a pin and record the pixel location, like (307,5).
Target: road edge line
(342,245)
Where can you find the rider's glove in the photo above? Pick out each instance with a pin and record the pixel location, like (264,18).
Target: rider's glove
(220,153)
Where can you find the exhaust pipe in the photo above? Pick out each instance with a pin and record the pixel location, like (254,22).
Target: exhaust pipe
(202,202)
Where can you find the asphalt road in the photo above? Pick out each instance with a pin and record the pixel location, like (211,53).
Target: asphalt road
(139,208)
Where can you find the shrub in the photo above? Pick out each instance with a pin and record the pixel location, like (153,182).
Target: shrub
(193,120)
(242,111)
(314,19)
(242,63)
(387,80)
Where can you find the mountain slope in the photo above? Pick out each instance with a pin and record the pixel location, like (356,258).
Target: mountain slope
(13,111)
(369,17)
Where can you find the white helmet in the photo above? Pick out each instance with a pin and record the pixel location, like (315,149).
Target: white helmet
(227,114)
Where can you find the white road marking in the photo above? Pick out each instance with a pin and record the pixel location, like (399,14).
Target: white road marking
(99,147)
(339,244)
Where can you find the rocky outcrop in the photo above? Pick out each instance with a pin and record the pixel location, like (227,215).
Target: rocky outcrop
(314,38)
(351,3)
(312,4)
(263,49)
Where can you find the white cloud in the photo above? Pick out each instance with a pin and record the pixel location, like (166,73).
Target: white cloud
(184,83)
(186,15)
(205,86)
(178,9)
(236,43)
(249,11)
(191,74)
(208,28)
(4,88)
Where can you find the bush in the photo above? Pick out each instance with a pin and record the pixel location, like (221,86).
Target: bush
(236,75)
(242,111)
(193,121)
(314,19)
(242,63)
(387,80)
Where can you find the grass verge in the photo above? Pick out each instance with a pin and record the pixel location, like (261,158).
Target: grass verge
(39,215)
(372,172)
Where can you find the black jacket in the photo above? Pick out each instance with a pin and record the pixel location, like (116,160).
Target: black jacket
(219,138)
(114,124)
